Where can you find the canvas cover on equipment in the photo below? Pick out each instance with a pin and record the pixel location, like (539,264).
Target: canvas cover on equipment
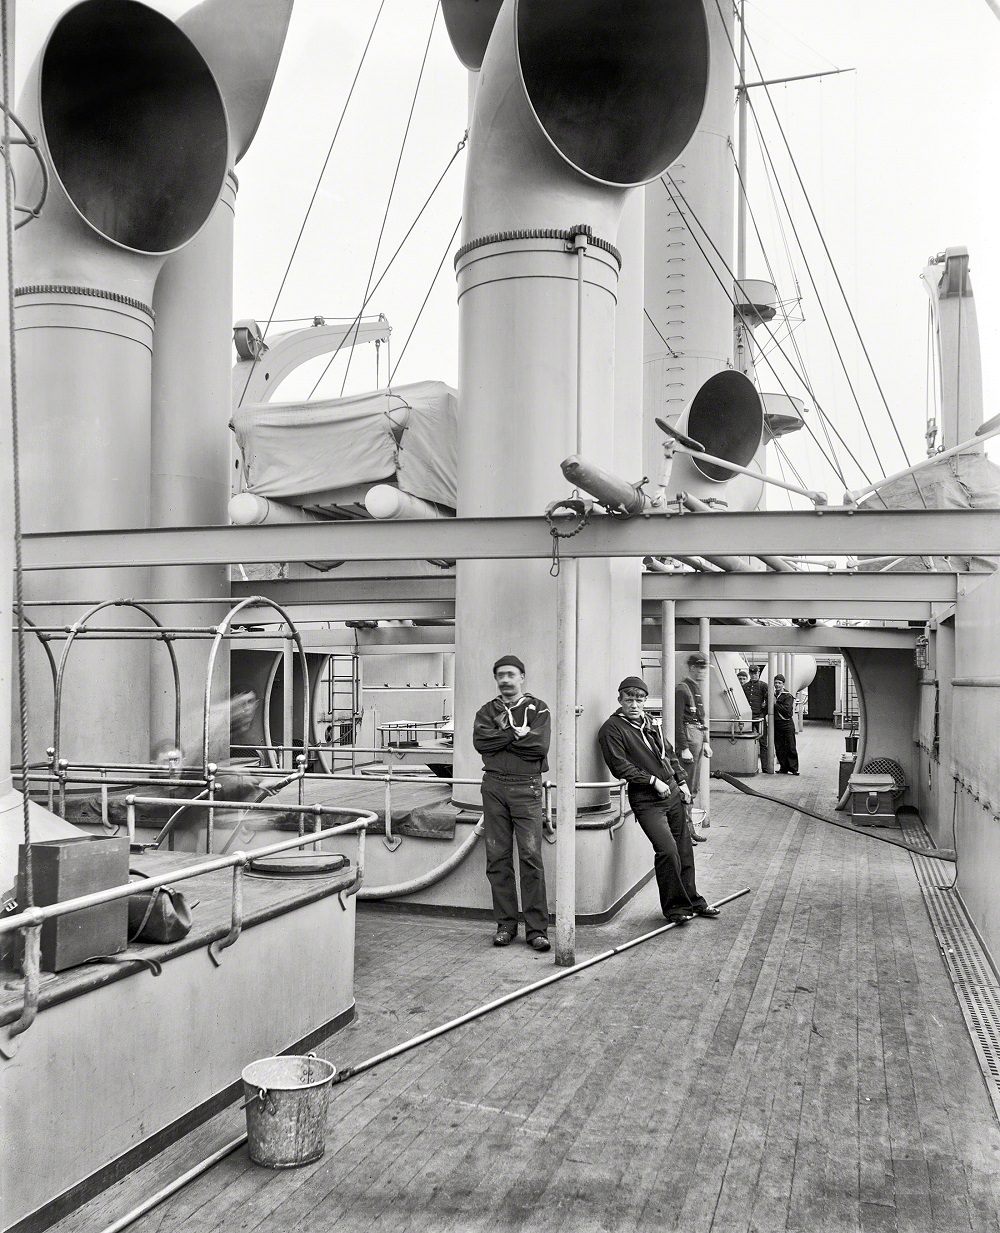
(304,452)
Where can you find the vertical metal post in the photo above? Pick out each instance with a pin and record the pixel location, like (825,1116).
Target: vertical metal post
(705,774)
(566,763)
(668,667)
(288,657)
(772,668)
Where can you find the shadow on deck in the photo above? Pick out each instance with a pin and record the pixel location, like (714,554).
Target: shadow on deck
(799,1064)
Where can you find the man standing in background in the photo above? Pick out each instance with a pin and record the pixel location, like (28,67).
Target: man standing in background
(512,732)
(785,749)
(690,730)
(756,692)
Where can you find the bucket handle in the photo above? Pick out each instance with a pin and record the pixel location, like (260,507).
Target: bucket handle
(264,1096)
(266,1103)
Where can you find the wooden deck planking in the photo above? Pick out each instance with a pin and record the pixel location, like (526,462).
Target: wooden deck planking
(800,1063)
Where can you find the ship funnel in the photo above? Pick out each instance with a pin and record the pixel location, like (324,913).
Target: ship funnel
(133,130)
(726,416)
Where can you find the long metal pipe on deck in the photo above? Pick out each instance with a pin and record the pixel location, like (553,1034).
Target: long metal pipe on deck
(349,1072)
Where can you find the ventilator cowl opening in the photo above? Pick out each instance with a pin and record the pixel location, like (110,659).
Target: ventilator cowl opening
(617,89)
(727,417)
(134,124)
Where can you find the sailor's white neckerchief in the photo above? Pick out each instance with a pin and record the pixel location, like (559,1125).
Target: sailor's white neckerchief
(651,732)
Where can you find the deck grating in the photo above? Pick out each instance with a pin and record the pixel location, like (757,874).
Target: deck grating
(972,975)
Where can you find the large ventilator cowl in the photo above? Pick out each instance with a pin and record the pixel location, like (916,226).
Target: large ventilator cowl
(133,123)
(727,418)
(577,101)
(618,90)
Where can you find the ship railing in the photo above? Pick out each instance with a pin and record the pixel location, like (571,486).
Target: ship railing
(29,921)
(122,775)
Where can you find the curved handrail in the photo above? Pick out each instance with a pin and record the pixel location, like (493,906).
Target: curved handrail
(79,627)
(220,632)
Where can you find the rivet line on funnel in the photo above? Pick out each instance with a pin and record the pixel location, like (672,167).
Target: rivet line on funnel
(538,233)
(60,289)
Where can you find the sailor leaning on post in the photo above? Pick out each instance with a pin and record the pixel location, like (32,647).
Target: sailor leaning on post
(636,750)
(512,732)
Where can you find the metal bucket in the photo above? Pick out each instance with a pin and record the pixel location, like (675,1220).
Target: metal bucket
(285,1101)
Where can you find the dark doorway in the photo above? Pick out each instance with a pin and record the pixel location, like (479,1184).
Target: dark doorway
(823,693)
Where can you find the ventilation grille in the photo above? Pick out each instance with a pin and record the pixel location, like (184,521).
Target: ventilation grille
(972,975)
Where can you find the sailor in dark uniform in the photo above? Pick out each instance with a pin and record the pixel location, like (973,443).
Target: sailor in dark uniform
(512,732)
(756,692)
(785,751)
(691,731)
(635,749)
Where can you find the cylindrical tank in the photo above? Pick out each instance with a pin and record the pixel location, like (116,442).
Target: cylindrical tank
(133,131)
(574,106)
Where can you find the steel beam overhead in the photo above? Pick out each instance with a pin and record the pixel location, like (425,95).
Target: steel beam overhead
(838,587)
(784,638)
(819,609)
(820,532)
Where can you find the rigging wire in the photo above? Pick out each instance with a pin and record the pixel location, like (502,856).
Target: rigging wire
(791,333)
(824,418)
(732,299)
(792,338)
(826,250)
(819,302)
(673,354)
(6,43)
(388,203)
(781,454)
(798,240)
(358,317)
(416,320)
(315,193)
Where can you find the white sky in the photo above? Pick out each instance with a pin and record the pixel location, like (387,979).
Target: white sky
(898,157)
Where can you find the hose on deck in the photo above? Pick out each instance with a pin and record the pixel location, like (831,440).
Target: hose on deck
(940,854)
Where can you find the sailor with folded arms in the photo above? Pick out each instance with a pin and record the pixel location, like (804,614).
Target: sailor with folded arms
(512,732)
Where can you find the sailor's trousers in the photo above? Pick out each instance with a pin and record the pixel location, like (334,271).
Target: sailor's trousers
(512,806)
(665,826)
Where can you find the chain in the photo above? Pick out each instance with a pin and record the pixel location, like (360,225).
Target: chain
(574,508)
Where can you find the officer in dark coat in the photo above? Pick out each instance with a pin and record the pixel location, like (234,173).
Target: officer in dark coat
(635,750)
(512,732)
(756,692)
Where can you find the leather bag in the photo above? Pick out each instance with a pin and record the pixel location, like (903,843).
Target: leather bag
(162,914)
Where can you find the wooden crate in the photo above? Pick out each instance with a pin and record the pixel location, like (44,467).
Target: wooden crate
(65,869)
